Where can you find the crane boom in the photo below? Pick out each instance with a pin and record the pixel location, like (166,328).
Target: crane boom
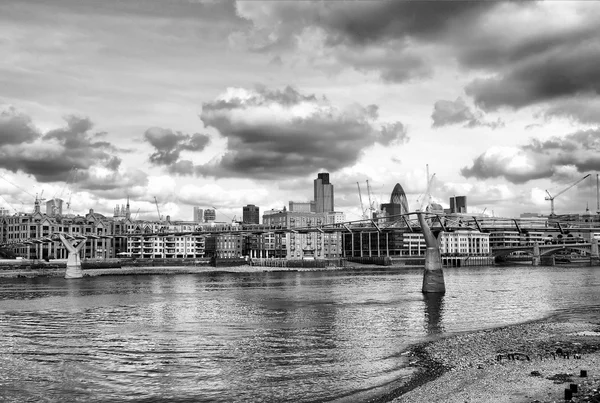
(362,208)
(157,210)
(551,198)
(371,208)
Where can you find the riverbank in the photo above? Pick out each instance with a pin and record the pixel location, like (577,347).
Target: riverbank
(517,363)
(169,270)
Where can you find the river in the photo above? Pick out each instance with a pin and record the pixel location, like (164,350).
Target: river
(259,337)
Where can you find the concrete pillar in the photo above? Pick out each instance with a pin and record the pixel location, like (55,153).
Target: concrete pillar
(595,255)
(433,277)
(73,260)
(536,259)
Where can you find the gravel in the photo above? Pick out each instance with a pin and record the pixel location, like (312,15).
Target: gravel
(510,364)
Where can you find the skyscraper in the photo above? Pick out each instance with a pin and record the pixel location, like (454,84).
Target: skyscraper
(198,214)
(250,214)
(323,193)
(458,204)
(210,215)
(398,203)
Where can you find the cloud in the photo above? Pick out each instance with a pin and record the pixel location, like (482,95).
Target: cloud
(536,63)
(389,37)
(16,128)
(283,133)
(558,158)
(453,112)
(169,144)
(52,157)
(582,109)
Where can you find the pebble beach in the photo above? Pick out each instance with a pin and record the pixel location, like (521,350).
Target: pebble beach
(517,363)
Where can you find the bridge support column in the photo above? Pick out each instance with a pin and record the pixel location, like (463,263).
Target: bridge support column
(536,259)
(595,255)
(433,277)
(73,259)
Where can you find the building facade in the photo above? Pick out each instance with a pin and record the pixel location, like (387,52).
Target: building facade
(458,204)
(198,214)
(210,215)
(303,243)
(251,214)
(323,193)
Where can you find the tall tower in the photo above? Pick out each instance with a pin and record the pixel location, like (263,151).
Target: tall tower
(323,193)
(198,214)
(251,214)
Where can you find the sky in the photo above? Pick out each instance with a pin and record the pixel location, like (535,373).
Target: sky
(182,103)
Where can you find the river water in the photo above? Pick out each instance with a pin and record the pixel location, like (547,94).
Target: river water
(259,337)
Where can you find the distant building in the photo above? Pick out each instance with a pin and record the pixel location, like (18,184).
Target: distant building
(323,193)
(4,211)
(307,244)
(303,207)
(251,214)
(458,204)
(54,207)
(398,203)
(198,214)
(210,215)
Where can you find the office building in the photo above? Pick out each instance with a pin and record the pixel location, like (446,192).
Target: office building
(323,193)
(210,215)
(198,214)
(458,204)
(398,204)
(4,211)
(251,214)
(54,207)
(303,207)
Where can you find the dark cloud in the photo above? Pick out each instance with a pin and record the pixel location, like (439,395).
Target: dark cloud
(454,112)
(581,109)
(543,66)
(352,29)
(557,158)
(51,157)
(283,133)
(16,128)
(169,144)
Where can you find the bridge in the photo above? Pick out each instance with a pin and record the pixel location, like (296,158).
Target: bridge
(409,222)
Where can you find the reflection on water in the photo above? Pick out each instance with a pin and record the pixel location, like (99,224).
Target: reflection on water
(434,307)
(295,337)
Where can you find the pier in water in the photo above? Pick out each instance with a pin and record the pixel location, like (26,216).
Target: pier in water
(278,336)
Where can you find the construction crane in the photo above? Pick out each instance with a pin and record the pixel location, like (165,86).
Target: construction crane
(371,208)
(426,195)
(551,198)
(157,210)
(362,208)
(232,219)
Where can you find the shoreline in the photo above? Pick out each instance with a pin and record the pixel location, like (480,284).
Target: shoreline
(464,367)
(174,270)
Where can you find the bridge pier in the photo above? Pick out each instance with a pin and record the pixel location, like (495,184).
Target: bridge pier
(536,259)
(595,255)
(73,259)
(433,277)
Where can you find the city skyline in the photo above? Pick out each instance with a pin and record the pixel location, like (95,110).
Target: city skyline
(225,104)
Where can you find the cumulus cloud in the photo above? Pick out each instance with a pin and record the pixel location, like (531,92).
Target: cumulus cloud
(549,53)
(283,133)
(455,112)
(52,156)
(557,158)
(169,145)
